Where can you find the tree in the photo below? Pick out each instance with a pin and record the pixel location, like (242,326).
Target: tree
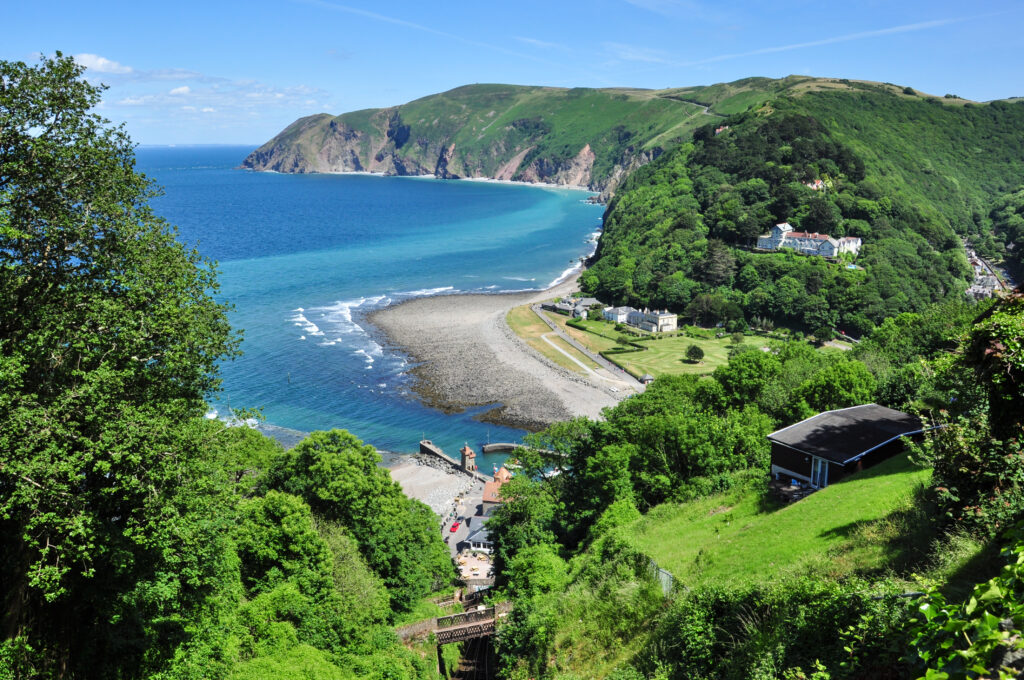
(342,481)
(109,343)
(747,374)
(694,353)
(838,385)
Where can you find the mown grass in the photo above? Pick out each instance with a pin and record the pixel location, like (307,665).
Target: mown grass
(666,356)
(869,521)
(526,325)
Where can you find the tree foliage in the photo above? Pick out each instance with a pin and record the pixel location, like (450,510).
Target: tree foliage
(678,231)
(109,340)
(340,478)
(137,537)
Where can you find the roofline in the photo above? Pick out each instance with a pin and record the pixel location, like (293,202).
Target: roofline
(889,441)
(835,410)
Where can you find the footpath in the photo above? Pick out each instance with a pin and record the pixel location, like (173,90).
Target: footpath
(616,374)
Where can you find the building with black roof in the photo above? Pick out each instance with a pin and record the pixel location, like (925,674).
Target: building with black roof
(825,448)
(479,540)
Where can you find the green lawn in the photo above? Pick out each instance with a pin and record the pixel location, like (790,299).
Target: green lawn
(530,328)
(733,539)
(662,357)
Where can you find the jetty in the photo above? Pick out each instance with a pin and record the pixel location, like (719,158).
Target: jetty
(467,465)
(500,447)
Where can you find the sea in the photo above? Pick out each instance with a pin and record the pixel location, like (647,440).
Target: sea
(303,258)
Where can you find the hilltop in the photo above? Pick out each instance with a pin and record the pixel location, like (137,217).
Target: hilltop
(579,136)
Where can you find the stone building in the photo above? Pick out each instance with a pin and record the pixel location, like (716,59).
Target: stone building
(468,463)
(653,321)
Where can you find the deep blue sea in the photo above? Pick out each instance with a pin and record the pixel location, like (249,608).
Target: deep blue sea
(302,257)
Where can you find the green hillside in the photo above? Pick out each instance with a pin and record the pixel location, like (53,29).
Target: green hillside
(911,176)
(732,539)
(585,136)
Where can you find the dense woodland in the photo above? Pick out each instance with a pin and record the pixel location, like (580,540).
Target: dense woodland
(139,539)
(911,177)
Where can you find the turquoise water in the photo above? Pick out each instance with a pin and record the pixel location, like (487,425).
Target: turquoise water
(304,257)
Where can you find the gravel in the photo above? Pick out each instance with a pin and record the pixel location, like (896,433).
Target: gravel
(468,357)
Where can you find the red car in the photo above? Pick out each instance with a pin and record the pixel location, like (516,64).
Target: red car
(455,527)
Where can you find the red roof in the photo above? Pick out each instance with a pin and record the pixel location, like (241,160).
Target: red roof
(491,492)
(804,234)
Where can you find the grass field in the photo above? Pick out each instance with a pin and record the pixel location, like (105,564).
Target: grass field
(860,524)
(526,325)
(662,357)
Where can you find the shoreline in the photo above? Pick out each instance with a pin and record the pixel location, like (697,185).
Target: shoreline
(467,357)
(494,180)
(435,487)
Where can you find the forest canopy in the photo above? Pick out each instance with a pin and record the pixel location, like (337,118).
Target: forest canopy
(910,178)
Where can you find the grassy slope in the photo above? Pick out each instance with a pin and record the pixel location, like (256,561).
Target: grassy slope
(526,325)
(491,123)
(731,540)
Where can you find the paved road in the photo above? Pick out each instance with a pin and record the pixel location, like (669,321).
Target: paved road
(617,373)
(471,505)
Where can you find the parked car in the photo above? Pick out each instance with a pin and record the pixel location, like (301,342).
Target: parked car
(455,527)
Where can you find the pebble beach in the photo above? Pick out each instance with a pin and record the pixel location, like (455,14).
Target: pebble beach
(467,357)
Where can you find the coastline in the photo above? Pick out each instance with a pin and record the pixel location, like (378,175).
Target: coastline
(468,357)
(435,487)
(493,180)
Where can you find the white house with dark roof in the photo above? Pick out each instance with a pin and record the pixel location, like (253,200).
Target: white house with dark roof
(480,540)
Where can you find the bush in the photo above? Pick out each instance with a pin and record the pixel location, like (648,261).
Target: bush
(694,353)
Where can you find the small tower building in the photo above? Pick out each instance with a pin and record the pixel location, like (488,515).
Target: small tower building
(468,459)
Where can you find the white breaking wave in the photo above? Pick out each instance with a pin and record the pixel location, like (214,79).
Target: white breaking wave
(564,275)
(311,328)
(517,278)
(339,328)
(426,291)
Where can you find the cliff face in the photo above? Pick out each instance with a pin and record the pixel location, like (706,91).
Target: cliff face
(590,138)
(583,137)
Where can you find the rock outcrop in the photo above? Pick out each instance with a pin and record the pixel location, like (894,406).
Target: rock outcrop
(577,137)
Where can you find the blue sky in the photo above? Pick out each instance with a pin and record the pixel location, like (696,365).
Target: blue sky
(238,72)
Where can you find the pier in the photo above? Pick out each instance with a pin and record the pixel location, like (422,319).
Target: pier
(500,447)
(431,449)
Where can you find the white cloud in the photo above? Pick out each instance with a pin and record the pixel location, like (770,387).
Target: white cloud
(209,109)
(95,62)
(540,43)
(184,89)
(906,28)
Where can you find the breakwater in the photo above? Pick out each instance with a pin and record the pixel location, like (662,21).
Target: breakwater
(430,450)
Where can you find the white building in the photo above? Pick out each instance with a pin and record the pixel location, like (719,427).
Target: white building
(617,314)
(659,321)
(652,321)
(783,236)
